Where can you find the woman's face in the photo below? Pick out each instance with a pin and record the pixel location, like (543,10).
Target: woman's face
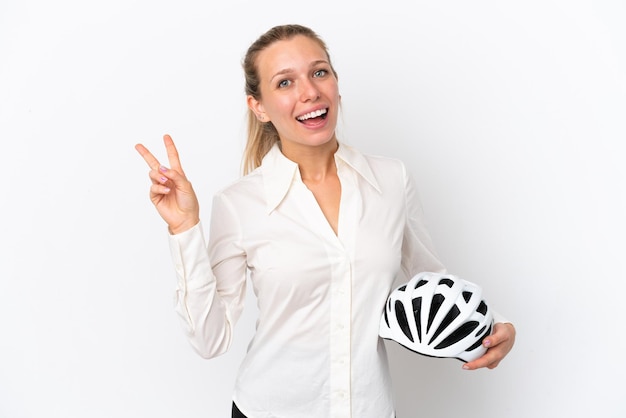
(299,92)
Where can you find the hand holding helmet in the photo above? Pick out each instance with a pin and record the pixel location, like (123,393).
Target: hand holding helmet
(438,315)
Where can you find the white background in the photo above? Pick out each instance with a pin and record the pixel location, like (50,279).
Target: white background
(511,116)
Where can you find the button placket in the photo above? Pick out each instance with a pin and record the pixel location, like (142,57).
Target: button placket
(341,337)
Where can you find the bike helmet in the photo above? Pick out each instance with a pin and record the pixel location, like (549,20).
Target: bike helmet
(438,315)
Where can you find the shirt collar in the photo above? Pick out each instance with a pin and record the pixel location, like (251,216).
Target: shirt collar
(279,172)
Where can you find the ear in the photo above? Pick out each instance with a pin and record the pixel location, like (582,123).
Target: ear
(257,107)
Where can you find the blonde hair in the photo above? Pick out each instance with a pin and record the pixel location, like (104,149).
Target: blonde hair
(262,136)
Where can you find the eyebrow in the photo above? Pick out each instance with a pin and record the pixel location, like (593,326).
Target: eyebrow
(290,70)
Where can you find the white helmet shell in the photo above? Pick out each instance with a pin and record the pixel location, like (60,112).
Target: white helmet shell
(438,315)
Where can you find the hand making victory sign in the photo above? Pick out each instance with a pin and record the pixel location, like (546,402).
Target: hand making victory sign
(171,192)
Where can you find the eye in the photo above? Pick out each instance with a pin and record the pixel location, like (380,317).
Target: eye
(284,83)
(320,73)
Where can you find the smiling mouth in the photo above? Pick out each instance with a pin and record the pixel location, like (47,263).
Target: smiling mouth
(321,113)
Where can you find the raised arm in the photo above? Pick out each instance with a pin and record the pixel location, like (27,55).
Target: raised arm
(208,308)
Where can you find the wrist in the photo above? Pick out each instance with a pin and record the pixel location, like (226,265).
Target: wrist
(185,226)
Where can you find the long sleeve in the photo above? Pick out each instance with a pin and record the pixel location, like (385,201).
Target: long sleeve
(211,282)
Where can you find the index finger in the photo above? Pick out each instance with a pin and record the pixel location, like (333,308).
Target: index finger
(147,156)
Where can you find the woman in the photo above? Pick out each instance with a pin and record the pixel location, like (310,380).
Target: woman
(323,230)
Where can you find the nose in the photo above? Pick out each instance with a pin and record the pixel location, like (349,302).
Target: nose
(309,91)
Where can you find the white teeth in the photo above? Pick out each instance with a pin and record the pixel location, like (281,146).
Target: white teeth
(312,114)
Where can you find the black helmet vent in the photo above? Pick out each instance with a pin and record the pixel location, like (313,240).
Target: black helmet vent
(458,334)
(448,282)
(434,308)
(417,313)
(402,320)
(482,308)
(451,316)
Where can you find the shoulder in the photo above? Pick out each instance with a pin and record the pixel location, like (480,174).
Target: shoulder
(384,164)
(376,162)
(386,174)
(387,169)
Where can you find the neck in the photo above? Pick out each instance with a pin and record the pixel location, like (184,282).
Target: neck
(316,163)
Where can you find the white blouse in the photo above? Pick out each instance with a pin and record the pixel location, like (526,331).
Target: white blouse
(316,351)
